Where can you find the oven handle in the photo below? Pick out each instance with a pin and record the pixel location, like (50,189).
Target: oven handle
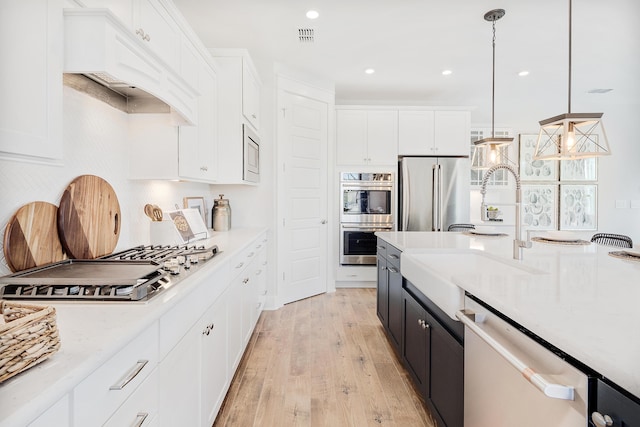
(556,391)
(367,227)
(368,187)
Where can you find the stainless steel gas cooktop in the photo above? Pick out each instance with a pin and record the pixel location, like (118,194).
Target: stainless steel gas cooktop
(135,274)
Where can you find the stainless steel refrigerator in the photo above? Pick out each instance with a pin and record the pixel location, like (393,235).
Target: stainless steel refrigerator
(433,192)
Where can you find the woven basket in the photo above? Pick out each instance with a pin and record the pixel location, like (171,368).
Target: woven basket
(28,336)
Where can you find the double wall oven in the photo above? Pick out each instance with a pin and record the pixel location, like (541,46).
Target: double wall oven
(366,201)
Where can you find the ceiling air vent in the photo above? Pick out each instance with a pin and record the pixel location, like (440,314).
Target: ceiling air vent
(306,35)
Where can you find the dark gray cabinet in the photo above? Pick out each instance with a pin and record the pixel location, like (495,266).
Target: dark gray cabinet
(429,342)
(389,305)
(621,409)
(434,356)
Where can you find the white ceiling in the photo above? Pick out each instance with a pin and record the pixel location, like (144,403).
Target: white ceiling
(410,42)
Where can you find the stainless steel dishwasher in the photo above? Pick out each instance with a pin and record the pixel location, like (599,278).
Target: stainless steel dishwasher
(512,380)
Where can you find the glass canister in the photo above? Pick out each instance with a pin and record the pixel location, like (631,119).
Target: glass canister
(221,214)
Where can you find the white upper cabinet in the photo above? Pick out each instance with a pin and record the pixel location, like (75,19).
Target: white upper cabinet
(153,24)
(434,133)
(250,94)
(31,45)
(238,106)
(366,137)
(415,133)
(198,145)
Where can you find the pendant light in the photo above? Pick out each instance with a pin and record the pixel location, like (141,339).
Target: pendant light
(491,151)
(571,135)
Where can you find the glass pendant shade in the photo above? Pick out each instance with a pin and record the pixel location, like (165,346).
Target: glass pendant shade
(572,136)
(486,155)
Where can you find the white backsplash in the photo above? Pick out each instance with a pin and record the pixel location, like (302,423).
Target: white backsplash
(95,142)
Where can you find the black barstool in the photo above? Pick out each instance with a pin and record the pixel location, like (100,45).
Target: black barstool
(608,239)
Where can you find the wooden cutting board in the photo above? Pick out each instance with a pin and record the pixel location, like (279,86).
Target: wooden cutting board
(31,237)
(89,218)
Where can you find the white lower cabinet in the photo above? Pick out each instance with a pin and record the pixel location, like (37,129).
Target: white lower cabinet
(193,377)
(56,416)
(195,374)
(141,408)
(214,372)
(98,396)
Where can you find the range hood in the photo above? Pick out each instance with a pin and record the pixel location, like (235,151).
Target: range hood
(104,59)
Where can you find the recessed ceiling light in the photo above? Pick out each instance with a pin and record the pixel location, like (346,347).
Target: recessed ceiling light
(312,14)
(369,71)
(523,73)
(447,72)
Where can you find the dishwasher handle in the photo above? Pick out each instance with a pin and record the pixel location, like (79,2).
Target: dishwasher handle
(556,391)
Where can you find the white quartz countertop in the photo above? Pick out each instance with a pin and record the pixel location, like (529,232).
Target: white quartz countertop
(581,300)
(90,333)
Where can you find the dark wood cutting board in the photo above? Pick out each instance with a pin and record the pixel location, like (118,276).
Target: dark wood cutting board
(31,237)
(89,218)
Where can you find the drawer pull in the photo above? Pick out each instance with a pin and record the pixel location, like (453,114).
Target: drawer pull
(245,280)
(391,269)
(251,254)
(240,265)
(394,256)
(381,247)
(264,292)
(129,376)
(259,272)
(140,418)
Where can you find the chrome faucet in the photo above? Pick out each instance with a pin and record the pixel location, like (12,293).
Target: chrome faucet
(518,243)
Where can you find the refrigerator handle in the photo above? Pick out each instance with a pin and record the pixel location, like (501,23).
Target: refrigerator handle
(440,194)
(405,198)
(434,199)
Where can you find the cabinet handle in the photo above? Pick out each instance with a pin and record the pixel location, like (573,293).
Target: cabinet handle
(601,420)
(383,267)
(142,35)
(391,269)
(259,272)
(254,116)
(258,305)
(394,256)
(140,418)
(204,168)
(246,280)
(129,376)
(258,247)
(240,265)
(251,254)
(208,329)
(381,247)
(264,292)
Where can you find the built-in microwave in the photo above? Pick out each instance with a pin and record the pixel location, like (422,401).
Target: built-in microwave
(251,153)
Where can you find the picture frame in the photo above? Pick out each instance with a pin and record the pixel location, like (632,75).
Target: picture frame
(535,170)
(196,203)
(579,169)
(539,207)
(578,207)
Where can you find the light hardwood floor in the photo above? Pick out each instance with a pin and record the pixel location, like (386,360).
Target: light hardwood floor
(322,361)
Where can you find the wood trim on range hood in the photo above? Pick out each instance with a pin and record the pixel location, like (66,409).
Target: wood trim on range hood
(100,47)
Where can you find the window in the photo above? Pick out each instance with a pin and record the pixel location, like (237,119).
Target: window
(500,177)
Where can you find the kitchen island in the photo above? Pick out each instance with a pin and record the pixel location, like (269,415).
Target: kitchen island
(578,298)
(168,332)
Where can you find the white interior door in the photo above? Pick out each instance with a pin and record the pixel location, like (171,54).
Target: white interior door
(303,141)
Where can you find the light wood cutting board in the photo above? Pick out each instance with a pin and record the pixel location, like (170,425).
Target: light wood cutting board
(89,218)
(31,237)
